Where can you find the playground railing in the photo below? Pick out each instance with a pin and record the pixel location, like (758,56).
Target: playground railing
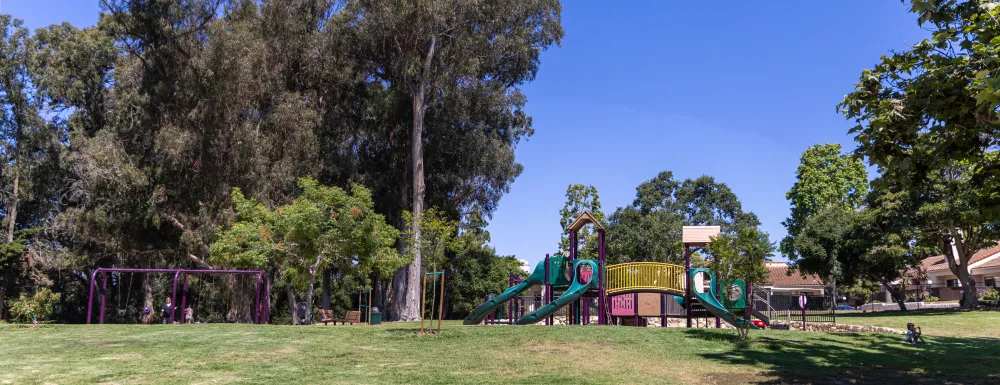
(637,276)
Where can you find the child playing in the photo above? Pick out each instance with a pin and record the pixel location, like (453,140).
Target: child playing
(913,334)
(167,310)
(189,315)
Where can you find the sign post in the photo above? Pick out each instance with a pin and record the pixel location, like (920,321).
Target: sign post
(802,304)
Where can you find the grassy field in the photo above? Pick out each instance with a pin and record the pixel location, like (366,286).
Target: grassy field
(950,323)
(392,353)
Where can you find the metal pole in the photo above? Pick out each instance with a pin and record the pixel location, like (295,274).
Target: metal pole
(173,297)
(545,288)
(184,296)
(104,292)
(510,304)
(369,306)
(90,299)
(423,299)
(601,266)
(267,299)
(256,300)
(663,310)
(687,285)
(441,304)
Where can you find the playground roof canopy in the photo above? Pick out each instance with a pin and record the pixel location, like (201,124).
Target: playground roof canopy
(699,235)
(582,220)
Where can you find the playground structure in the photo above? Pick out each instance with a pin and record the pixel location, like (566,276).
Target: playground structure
(625,293)
(258,312)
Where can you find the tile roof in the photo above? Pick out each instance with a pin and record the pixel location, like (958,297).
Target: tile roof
(938,263)
(778,275)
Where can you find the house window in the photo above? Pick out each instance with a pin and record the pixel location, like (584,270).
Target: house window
(991,282)
(952,283)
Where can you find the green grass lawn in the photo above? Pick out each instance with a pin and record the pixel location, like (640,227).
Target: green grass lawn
(952,323)
(392,353)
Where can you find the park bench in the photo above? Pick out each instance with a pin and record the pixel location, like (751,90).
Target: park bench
(325,316)
(352,317)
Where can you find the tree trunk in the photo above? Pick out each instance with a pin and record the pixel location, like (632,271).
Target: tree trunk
(3,292)
(147,299)
(11,222)
(897,295)
(969,294)
(833,293)
(958,258)
(309,296)
(407,303)
(326,289)
(291,304)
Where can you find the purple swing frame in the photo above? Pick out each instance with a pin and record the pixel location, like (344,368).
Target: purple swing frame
(262,287)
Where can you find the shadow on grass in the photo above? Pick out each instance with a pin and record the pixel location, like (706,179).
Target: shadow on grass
(861,358)
(899,313)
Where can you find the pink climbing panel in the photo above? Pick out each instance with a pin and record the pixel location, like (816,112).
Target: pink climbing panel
(585,275)
(623,305)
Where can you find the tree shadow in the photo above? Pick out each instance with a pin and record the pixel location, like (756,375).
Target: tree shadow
(899,313)
(860,358)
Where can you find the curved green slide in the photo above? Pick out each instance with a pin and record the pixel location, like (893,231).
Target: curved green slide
(574,292)
(711,302)
(537,277)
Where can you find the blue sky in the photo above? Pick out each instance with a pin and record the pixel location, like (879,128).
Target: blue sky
(736,90)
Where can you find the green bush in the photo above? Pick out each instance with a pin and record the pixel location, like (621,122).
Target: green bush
(931,298)
(990,298)
(35,308)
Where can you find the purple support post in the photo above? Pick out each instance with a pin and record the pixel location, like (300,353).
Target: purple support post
(663,310)
(267,299)
(635,307)
(572,314)
(546,288)
(184,297)
(104,292)
(173,297)
(510,304)
(90,299)
(601,265)
(687,286)
(256,301)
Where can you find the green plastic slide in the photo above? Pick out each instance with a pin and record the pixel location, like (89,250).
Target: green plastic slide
(711,303)
(477,315)
(575,291)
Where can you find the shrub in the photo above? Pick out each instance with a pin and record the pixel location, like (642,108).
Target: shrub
(35,308)
(931,299)
(990,298)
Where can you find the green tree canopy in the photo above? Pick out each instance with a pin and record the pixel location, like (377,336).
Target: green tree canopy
(740,255)
(580,198)
(435,51)
(927,118)
(825,178)
(649,229)
(324,227)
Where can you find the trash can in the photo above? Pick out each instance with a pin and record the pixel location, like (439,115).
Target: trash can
(376,317)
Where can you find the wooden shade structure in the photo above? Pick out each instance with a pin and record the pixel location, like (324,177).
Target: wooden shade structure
(582,220)
(698,235)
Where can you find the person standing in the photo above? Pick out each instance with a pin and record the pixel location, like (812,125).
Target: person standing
(189,315)
(167,310)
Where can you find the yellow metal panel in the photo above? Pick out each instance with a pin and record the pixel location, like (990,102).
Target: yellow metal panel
(638,276)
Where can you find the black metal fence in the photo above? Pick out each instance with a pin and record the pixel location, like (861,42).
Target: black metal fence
(785,307)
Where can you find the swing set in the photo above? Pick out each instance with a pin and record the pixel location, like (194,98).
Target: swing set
(258,313)
(434,299)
